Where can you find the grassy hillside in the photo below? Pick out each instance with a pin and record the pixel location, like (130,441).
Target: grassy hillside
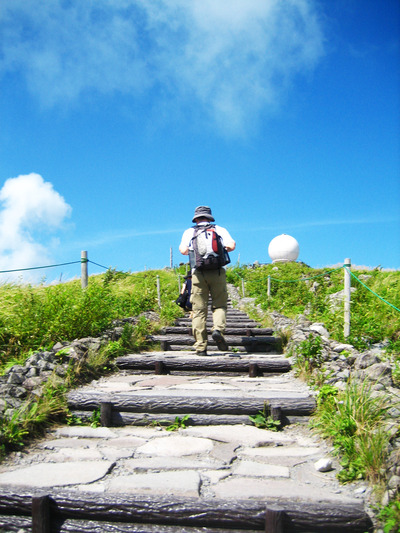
(298,289)
(33,317)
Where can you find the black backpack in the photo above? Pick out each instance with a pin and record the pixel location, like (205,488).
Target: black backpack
(208,251)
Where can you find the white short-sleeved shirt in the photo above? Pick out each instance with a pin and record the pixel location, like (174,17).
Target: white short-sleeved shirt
(188,235)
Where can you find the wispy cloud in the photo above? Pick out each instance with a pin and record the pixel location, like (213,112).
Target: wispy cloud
(228,60)
(114,236)
(30,212)
(325,223)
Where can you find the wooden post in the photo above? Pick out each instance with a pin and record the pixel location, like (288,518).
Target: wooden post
(170,258)
(41,514)
(276,413)
(347,296)
(254,370)
(273,521)
(84,270)
(160,368)
(106,414)
(158,291)
(269,287)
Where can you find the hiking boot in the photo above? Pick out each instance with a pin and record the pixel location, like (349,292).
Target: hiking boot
(219,339)
(202,353)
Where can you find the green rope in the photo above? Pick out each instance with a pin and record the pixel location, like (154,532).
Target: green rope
(36,268)
(52,266)
(370,290)
(101,266)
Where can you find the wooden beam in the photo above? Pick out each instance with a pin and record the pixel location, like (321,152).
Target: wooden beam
(319,517)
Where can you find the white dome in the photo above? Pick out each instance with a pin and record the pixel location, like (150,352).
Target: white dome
(283,248)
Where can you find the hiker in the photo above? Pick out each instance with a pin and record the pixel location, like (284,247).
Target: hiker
(208,278)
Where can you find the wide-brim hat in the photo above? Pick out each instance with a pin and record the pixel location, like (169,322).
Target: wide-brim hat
(203,211)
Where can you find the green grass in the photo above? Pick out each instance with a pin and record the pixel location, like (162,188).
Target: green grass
(33,317)
(297,288)
(354,421)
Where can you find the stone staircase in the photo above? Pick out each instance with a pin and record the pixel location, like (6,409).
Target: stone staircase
(215,473)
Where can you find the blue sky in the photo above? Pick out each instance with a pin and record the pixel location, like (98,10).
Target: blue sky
(119,117)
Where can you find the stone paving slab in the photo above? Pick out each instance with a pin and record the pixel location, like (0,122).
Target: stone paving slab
(238,461)
(46,475)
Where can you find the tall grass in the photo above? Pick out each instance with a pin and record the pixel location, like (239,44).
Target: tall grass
(33,317)
(354,420)
(297,288)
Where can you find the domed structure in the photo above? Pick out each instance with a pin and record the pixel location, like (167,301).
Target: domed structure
(283,248)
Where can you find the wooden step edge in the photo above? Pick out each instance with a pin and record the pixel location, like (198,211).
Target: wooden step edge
(294,515)
(194,405)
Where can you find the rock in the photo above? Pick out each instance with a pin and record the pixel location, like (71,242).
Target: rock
(15,379)
(381,373)
(365,360)
(394,482)
(320,329)
(343,347)
(323,465)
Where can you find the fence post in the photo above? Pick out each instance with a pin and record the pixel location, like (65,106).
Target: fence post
(170,258)
(269,287)
(347,296)
(158,291)
(84,270)
(41,514)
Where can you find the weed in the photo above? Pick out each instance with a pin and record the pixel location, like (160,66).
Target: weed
(94,419)
(179,423)
(309,358)
(264,420)
(326,392)
(390,516)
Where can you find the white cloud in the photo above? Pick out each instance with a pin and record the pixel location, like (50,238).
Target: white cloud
(31,210)
(228,60)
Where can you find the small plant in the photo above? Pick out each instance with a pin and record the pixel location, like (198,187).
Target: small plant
(390,516)
(179,423)
(73,420)
(326,393)
(309,357)
(264,420)
(94,419)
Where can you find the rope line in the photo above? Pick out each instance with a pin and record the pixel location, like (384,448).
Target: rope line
(370,290)
(101,266)
(36,268)
(52,266)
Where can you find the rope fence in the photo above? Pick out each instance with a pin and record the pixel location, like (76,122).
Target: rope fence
(347,289)
(348,274)
(84,268)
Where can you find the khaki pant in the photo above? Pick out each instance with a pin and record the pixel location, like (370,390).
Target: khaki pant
(204,284)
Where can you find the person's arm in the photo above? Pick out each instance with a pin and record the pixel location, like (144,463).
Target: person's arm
(227,240)
(186,237)
(183,249)
(230,246)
